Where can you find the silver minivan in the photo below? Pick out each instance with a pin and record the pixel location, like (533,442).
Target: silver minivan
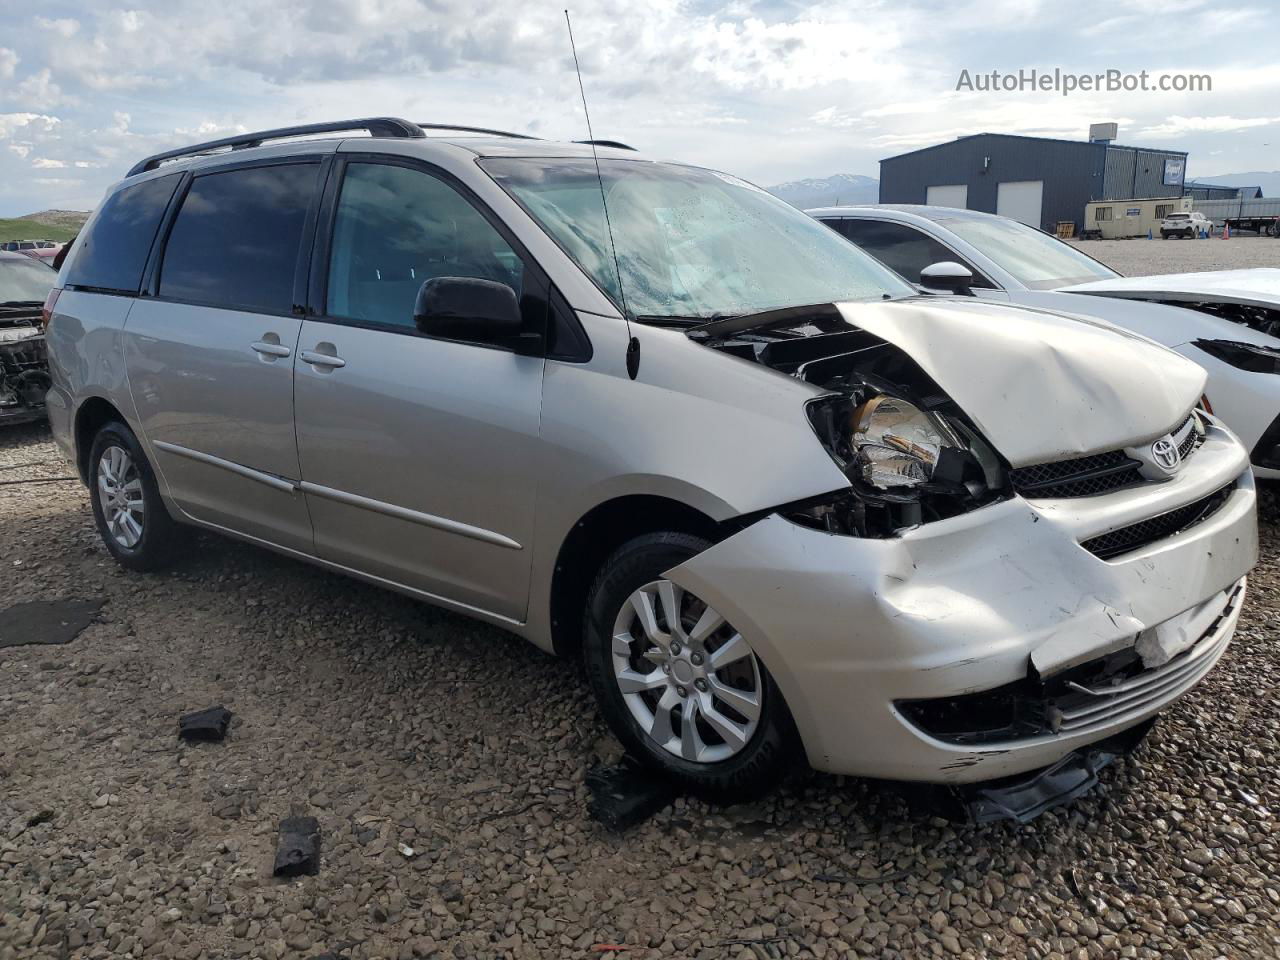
(645,414)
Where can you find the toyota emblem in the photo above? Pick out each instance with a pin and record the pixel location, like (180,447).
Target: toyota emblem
(1165,454)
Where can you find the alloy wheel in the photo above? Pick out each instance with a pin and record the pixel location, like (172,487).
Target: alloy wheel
(690,680)
(120,496)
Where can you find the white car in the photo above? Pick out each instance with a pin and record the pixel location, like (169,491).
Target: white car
(1227,322)
(1185,225)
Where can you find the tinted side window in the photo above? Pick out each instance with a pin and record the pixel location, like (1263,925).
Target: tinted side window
(236,238)
(113,252)
(903,249)
(395,229)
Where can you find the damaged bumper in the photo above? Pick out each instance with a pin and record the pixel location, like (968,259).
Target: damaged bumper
(1070,643)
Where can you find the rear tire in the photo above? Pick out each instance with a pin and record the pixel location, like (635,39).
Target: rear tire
(128,511)
(740,738)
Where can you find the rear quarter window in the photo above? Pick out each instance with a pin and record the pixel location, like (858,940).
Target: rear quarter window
(113,250)
(237,238)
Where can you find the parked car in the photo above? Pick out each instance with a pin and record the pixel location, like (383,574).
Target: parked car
(24,369)
(22,246)
(1187,225)
(1001,259)
(780,504)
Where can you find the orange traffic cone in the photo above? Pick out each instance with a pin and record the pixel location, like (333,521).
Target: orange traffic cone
(1226,231)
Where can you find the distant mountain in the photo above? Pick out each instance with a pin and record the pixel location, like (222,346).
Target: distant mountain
(70,219)
(1268,181)
(843,188)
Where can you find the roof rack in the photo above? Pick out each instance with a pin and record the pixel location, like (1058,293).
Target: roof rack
(496,133)
(607,143)
(376,126)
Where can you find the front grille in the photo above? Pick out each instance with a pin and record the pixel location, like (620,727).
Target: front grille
(1195,436)
(1097,474)
(1107,546)
(1081,477)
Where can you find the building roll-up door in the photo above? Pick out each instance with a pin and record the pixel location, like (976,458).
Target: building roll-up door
(948,195)
(1021,200)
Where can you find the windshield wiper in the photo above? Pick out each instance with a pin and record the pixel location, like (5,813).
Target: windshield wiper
(676,320)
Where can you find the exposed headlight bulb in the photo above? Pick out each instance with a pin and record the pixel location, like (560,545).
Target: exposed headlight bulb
(897,443)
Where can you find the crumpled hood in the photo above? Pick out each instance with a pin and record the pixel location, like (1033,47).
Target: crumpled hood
(1040,385)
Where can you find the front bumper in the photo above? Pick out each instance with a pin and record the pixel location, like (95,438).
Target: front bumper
(850,628)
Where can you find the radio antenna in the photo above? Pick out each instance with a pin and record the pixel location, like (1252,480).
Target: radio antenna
(633,344)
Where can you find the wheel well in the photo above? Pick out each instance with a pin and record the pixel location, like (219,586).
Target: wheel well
(594,538)
(93,413)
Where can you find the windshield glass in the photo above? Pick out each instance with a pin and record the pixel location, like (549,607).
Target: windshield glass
(691,243)
(1034,258)
(25,280)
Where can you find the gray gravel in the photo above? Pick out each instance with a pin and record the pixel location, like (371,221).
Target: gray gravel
(1141,258)
(404,728)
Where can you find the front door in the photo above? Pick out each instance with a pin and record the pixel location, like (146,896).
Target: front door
(210,358)
(417,453)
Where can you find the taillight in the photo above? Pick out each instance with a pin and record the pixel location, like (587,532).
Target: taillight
(46,312)
(1205,405)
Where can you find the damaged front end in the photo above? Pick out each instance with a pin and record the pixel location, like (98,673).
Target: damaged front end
(911,455)
(934,409)
(24,369)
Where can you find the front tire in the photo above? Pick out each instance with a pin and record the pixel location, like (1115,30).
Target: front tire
(131,518)
(682,689)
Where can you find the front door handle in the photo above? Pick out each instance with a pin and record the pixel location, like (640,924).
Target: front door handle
(270,347)
(322,359)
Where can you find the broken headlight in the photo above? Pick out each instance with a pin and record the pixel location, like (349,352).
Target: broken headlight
(896,444)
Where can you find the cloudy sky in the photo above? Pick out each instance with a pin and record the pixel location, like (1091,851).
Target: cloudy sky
(772,91)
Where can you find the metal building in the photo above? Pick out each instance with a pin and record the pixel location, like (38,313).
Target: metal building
(1198,190)
(1037,180)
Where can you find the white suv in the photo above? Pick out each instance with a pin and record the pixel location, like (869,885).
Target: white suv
(1186,225)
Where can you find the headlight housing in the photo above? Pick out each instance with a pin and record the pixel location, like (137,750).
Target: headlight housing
(896,443)
(1243,356)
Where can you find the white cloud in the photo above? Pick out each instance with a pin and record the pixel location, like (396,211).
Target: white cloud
(63,27)
(37,91)
(12,122)
(47,163)
(1178,126)
(768,90)
(834,117)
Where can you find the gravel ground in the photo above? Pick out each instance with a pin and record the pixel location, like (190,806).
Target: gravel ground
(396,723)
(1140,258)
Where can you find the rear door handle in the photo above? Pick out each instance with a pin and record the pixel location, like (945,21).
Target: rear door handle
(269,349)
(322,359)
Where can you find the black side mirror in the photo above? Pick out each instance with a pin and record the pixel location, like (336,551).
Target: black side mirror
(468,308)
(946,277)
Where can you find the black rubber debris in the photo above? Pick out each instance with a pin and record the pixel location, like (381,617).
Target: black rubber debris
(1023,798)
(205,725)
(46,621)
(626,794)
(298,850)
